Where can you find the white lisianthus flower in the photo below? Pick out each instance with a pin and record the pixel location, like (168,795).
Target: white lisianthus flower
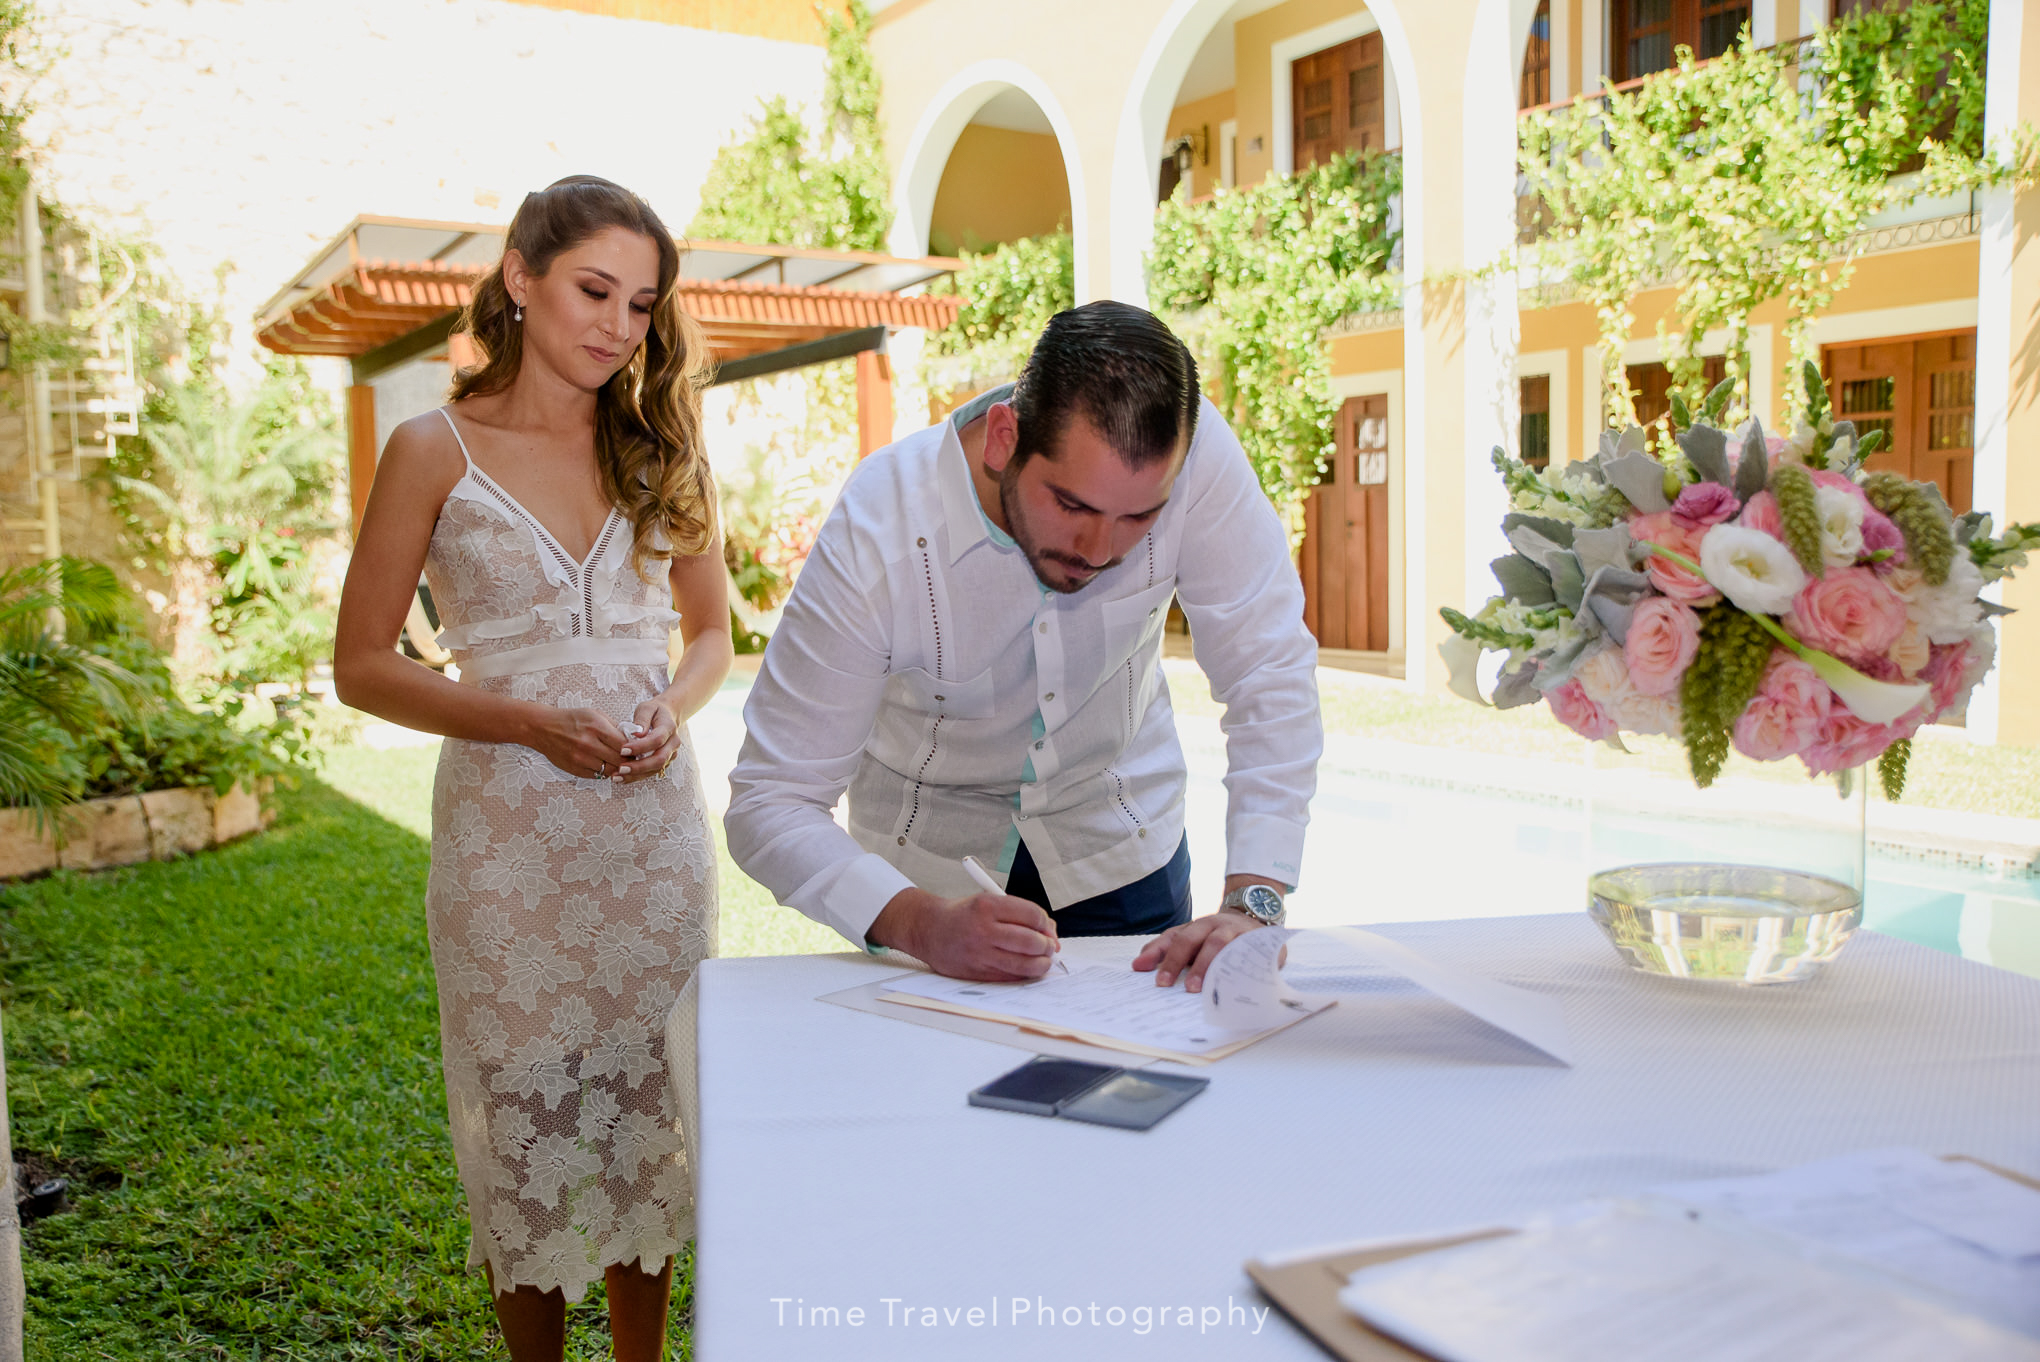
(1750,568)
(1841,526)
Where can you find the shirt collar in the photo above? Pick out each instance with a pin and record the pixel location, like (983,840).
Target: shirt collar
(965,515)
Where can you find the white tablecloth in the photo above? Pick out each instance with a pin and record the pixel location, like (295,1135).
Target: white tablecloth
(840,1167)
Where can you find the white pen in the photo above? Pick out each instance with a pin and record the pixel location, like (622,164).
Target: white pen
(984,880)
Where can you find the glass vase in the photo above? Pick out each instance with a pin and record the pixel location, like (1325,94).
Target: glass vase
(1757,879)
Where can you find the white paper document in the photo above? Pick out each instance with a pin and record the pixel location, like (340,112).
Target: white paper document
(1245,987)
(1969,1238)
(1643,1284)
(1109,1002)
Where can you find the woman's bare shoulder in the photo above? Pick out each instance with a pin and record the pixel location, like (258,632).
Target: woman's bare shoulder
(425,450)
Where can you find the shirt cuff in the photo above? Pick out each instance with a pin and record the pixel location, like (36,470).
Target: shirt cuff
(1259,844)
(855,895)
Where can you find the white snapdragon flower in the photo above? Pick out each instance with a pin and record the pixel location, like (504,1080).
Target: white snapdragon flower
(1799,444)
(1750,568)
(1841,526)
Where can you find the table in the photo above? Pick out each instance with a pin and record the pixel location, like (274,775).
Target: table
(840,1168)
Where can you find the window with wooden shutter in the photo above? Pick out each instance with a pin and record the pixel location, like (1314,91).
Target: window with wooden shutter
(1647,34)
(1339,100)
(1536,87)
(1650,387)
(1921,392)
(1535,432)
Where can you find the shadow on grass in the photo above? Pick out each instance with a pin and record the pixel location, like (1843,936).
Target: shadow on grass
(241,1051)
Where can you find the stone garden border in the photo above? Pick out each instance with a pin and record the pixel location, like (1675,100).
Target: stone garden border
(125,829)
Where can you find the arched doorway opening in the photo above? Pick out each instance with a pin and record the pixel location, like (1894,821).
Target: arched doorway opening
(1239,92)
(1004,179)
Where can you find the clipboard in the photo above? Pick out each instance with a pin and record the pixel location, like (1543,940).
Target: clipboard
(1306,1290)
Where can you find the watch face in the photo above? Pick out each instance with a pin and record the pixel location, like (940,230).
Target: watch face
(1263,902)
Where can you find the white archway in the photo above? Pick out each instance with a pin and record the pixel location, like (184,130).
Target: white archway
(943,120)
(1143,122)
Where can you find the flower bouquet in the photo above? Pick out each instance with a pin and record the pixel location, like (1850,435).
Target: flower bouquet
(1742,594)
(1747,591)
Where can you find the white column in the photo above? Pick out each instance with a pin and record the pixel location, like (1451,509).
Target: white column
(1493,326)
(1995,324)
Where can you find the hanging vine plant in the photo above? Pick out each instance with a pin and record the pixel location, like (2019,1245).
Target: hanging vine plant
(1747,178)
(1255,277)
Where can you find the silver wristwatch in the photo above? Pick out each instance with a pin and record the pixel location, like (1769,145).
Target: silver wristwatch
(1257,901)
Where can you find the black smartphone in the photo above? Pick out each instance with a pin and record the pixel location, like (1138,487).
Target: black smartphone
(1041,1085)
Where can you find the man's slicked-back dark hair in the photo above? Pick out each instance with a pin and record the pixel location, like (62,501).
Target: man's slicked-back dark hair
(1119,366)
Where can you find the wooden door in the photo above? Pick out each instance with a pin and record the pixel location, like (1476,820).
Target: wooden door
(1921,392)
(1345,545)
(1338,101)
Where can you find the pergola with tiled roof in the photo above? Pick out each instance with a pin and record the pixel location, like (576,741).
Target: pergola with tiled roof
(389,290)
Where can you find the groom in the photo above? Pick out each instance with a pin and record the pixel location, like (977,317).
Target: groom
(973,651)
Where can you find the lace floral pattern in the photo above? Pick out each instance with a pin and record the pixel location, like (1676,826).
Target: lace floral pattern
(565,915)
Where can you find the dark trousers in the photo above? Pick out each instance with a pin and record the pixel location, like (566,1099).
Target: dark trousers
(1150,904)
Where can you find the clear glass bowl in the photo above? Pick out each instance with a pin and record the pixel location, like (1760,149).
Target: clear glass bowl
(1744,924)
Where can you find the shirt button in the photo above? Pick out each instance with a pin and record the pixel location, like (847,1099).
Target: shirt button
(1049,696)
(1038,746)
(920,543)
(903,841)
(1143,832)
(941,697)
(1023,818)
(1044,626)
(1152,613)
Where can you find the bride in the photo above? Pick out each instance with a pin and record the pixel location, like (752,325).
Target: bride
(560,506)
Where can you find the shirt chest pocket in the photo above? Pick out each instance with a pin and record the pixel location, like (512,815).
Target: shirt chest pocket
(1131,622)
(922,691)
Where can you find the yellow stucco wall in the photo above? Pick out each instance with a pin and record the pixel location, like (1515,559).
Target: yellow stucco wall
(1203,118)
(791,21)
(1000,185)
(2019,634)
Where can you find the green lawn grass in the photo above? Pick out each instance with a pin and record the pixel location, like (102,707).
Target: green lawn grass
(236,1059)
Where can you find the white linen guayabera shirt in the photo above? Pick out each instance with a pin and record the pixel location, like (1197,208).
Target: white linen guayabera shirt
(921,665)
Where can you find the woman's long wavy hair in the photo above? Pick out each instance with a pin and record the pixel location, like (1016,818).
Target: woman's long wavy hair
(648,441)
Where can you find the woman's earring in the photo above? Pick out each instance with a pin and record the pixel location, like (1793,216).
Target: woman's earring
(520,312)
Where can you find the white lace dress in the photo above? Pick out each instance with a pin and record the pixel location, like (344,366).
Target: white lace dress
(565,914)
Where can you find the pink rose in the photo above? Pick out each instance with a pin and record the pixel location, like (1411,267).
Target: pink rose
(1760,512)
(1665,530)
(1845,741)
(1786,716)
(1705,503)
(1663,636)
(1570,705)
(1847,612)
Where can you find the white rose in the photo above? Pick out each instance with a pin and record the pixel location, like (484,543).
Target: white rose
(1750,568)
(1841,526)
(1604,676)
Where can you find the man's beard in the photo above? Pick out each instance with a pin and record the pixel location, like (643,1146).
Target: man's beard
(1017,526)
